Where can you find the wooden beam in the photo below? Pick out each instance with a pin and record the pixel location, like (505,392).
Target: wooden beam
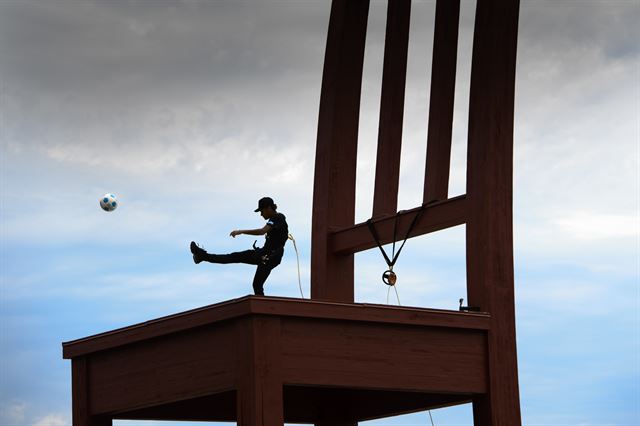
(436,217)
(336,149)
(384,357)
(490,277)
(259,378)
(369,313)
(79,388)
(80,396)
(394,76)
(443,80)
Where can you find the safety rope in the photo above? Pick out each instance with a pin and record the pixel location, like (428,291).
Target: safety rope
(389,291)
(389,277)
(295,247)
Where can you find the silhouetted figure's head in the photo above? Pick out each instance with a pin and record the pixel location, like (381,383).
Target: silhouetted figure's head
(266,207)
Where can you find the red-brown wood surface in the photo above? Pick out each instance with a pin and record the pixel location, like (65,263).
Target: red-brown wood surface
(394,73)
(435,217)
(336,149)
(162,370)
(490,280)
(80,403)
(154,328)
(443,80)
(220,313)
(236,367)
(383,357)
(259,375)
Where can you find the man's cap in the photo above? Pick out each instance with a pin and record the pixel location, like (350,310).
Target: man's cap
(264,202)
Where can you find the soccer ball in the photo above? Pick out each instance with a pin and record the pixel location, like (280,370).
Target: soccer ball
(108,202)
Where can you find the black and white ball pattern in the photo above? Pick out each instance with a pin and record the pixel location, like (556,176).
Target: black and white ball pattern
(108,202)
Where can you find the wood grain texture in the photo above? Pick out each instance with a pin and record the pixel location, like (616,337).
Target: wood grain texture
(154,328)
(278,306)
(260,387)
(436,217)
(394,76)
(162,370)
(490,280)
(336,148)
(441,99)
(79,387)
(383,357)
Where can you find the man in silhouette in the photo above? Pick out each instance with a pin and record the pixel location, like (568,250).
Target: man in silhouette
(266,258)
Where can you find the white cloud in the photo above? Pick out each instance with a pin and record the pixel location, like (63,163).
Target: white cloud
(589,226)
(53,420)
(20,413)
(13,413)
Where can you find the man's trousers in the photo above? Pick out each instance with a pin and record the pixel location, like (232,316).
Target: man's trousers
(251,257)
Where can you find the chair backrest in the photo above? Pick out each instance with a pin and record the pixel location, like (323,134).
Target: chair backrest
(485,209)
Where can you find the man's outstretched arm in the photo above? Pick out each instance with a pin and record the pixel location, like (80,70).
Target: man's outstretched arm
(259,231)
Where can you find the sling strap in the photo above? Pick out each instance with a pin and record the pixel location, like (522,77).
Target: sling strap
(389,277)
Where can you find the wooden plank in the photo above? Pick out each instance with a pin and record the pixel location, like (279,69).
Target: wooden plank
(279,306)
(490,279)
(156,327)
(358,355)
(79,387)
(80,396)
(371,313)
(162,370)
(268,364)
(259,386)
(336,148)
(436,217)
(246,398)
(443,80)
(394,76)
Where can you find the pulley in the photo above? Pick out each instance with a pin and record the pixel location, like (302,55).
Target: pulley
(389,277)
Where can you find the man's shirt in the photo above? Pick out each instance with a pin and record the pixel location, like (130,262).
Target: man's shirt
(277,236)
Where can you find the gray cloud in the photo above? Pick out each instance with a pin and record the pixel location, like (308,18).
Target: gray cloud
(140,47)
(197,93)
(162,81)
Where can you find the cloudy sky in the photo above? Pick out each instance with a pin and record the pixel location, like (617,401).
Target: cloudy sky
(189,111)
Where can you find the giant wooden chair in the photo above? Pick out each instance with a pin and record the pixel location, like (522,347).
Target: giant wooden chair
(328,360)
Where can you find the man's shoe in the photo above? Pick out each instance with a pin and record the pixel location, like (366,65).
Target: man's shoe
(198,253)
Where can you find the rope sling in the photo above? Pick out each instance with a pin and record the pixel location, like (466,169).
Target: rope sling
(389,277)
